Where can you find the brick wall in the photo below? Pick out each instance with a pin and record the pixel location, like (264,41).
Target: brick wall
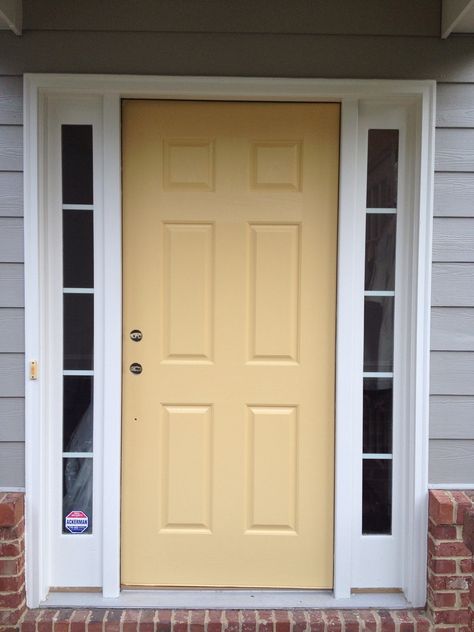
(450,560)
(12,561)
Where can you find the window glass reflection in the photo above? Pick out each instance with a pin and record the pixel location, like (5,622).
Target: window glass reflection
(377,497)
(382,168)
(377,415)
(378,333)
(77,491)
(380,235)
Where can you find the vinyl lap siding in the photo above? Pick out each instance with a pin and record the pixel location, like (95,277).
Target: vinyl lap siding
(452,327)
(452,384)
(11,285)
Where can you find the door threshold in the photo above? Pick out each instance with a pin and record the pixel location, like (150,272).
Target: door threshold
(225,599)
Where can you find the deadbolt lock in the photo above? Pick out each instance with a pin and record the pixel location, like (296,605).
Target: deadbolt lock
(136,368)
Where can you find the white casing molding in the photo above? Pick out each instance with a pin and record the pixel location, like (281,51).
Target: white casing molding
(417,99)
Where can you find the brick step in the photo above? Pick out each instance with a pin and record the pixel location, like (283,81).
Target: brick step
(294,620)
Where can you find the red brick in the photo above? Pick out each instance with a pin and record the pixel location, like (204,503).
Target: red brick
(45,624)
(147,621)
(422,622)
(464,599)
(197,621)
(61,623)
(249,620)
(316,621)
(232,620)
(451,616)
(12,584)
(11,510)
(368,620)
(443,532)
(387,622)
(265,621)
(10,549)
(11,567)
(180,620)
(78,620)
(463,503)
(441,509)
(282,621)
(164,622)
(11,600)
(351,621)
(300,621)
(96,620)
(442,567)
(130,620)
(406,623)
(214,621)
(444,600)
(437,582)
(450,549)
(333,621)
(29,620)
(466,565)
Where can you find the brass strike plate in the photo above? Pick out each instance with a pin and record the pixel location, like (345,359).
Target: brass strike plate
(33,370)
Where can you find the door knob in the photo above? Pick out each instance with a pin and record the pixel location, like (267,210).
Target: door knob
(136,335)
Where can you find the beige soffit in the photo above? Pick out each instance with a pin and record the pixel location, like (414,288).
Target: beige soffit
(11,15)
(457,17)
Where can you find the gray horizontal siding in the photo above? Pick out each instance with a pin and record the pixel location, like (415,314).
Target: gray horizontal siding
(11,148)
(11,101)
(452,329)
(454,150)
(11,240)
(452,285)
(454,195)
(12,375)
(12,327)
(12,419)
(452,417)
(244,54)
(452,316)
(455,105)
(452,373)
(259,16)
(451,461)
(12,336)
(12,464)
(11,193)
(11,285)
(453,239)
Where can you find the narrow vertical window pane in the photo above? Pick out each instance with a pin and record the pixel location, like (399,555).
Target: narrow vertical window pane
(78,331)
(380,234)
(378,333)
(78,249)
(377,432)
(382,168)
(77,413)
(77,495)
(377,497)
(77,164)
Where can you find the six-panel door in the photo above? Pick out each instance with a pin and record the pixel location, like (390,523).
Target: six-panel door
(230,222)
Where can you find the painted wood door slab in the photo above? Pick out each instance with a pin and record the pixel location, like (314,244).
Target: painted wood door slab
(230,230)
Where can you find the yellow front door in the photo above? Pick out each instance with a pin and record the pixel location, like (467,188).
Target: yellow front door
(230,222)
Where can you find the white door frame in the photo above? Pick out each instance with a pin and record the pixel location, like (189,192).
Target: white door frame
(420,97)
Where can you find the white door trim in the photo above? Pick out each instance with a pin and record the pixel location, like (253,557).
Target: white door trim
(421,96)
